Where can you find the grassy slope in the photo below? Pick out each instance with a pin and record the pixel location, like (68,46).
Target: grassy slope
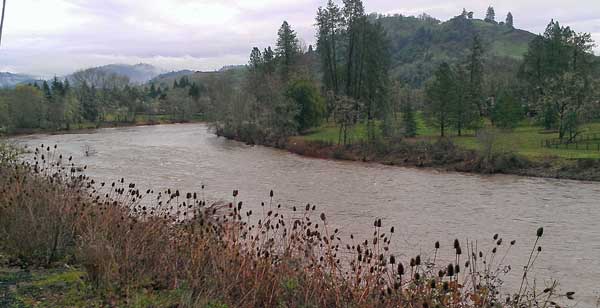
(525,140)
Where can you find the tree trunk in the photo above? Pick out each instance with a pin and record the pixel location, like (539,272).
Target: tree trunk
(442,127)
(333,63)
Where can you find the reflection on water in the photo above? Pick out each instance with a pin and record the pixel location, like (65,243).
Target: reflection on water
(424,205)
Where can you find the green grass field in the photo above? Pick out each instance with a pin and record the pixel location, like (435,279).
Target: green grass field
(525,140)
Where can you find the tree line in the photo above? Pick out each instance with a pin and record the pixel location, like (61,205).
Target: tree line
(347,81)
(554,85)
(93,97)
(291,89)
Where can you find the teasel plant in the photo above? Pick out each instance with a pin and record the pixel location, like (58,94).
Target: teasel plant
(128,238)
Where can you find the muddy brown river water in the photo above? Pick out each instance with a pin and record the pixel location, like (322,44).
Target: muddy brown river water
(424,205)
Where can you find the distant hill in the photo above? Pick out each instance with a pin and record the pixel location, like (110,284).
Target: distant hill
(231,67)
(137,74)
(9,80)
(420,44)
(168,79)
(172,75)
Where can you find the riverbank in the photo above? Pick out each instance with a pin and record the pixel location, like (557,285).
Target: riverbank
(444,155)
(87,126)
(75,241)
(518,151)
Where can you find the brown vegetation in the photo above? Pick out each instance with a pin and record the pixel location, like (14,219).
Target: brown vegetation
(127,240)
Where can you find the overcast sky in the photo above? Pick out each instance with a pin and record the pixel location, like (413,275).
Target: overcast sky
(48,37)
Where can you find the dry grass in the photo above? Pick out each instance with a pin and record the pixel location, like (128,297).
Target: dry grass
(127,240)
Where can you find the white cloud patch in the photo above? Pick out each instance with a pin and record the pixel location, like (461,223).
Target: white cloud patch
(48,37)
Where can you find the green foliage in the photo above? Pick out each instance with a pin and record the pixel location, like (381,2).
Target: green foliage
(509,20)
(409,120)
(507,112)
(473,83)
(287,49)
(420,44)
(557,76)
(355,59)
(464,112)
(441,94)
(26,107)
(490,15)
(310,103)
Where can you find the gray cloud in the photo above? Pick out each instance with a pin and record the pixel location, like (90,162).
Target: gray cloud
(48,37)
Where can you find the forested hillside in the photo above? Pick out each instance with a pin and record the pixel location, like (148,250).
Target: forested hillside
(137,74)
(418,44)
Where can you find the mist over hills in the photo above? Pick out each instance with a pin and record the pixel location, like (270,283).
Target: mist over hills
(8,80)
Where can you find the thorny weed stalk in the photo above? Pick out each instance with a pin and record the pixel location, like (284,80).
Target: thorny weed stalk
(128,240)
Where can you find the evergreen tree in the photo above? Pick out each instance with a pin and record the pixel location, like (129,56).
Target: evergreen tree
(409,120)
(329,22)
(509,20)
(269,61)
(440,96)
(89,106)
(507,112)
(195,91)
(47,91)
(490,15)
(153,93)
(374,85)
(355,21)
(287,49)
(475,75)
(463,111)
(256,60)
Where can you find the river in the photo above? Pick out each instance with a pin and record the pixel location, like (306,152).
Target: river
(423,205)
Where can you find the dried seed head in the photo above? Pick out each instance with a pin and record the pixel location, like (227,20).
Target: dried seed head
(450,271)
(400,269)
(570,295)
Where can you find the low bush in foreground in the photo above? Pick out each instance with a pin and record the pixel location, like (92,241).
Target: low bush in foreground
(128,242)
